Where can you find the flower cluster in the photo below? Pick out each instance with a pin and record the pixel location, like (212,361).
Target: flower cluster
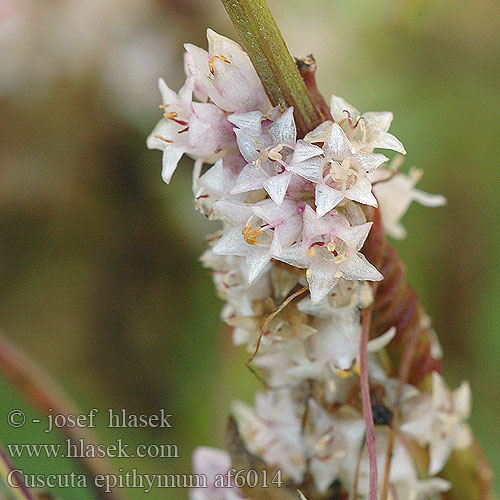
(288,261)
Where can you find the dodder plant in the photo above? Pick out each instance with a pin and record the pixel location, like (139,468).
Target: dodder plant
(354,405)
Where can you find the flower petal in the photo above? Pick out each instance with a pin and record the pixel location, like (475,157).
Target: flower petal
(361,191)
(368,162)
(311,169)
(337,146)
(356,267)
(231,243)
(250,179)
(171,157)
(283,129)
(277,185)
(304,151)
(326,198)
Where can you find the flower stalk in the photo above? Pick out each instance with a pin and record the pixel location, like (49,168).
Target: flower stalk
(272,60)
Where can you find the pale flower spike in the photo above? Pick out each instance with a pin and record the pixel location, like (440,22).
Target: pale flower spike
(294,214)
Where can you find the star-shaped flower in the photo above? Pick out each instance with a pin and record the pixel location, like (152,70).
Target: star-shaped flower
(226,75)
(214,465)
(331,443)
(198,129)
(366,131)
(329,250)
(338,170)
(273,431)
(266,149)
(439,421)
(259,231)
(395,195)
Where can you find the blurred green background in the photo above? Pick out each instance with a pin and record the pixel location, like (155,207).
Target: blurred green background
(99,279)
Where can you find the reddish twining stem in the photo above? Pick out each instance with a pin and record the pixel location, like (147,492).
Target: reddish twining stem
(13,478)
(307,69)
(371,444)
(396,304)
(41,391)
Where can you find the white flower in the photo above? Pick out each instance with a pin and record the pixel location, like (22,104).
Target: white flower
(331,443)
(329,250)
(340,171)
(286,205)
(395,196)
(215,183)
(226,75)
(403,469)
(282,359)
(213,464)
(276,227)
(273,431)
(439,421)
(230,279)
(198,129)
(266,149)
(415,489)
(367,131)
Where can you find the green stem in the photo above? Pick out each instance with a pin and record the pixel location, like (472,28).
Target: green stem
(272,60)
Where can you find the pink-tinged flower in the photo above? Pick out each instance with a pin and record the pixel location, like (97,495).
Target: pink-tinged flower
(213,464)
(266,145)
(331,443)
(329,250)
(226,75)
(366,131)
(404,482)
(413,488)
(338,170)
(395,196)
(230,279)
(260,231)
(280,359)
(197,129)
(333,354)
(273,431)
(216,182)
(439,420)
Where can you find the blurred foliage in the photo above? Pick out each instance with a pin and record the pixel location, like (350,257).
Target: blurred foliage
(98,258)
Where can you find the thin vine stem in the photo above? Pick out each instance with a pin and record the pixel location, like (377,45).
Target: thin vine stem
(41,391)
(371,444)
(9,472)
(272,60)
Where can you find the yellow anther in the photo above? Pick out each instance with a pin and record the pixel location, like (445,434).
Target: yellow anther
(340,258)
(323,442)
(309,273)
(211,62)
(164,106)
(274,154)
(162,138)
(251,234)
(343,373)
(170,115)
(357,368)
(330,246)
(311,252)
(331,386)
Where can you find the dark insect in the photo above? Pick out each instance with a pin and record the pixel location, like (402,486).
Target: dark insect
(381,415)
